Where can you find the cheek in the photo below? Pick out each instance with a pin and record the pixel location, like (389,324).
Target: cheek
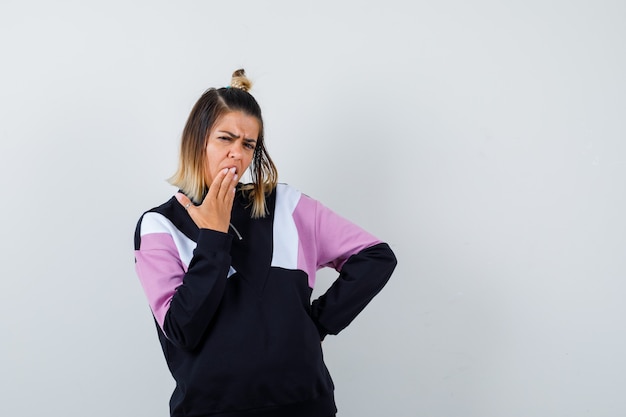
(211,164)
(248,161)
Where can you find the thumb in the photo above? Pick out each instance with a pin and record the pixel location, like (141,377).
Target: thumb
(183,200)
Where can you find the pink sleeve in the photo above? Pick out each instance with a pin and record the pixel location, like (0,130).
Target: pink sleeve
(160,271)
(326,236)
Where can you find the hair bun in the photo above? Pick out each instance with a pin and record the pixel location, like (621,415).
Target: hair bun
(240,80)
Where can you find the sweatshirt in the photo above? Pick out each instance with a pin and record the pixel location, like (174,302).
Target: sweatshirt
(233,311)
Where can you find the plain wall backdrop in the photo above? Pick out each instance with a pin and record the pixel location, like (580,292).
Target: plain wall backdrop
(484,140)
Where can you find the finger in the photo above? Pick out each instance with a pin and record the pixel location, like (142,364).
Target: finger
(232,186)
(235,181)
(231,190)
(215,187)
(225,186)
(183,200)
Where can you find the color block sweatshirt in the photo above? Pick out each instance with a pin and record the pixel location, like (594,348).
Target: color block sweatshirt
(233,311)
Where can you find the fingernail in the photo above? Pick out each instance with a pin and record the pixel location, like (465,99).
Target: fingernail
(235,177)
(225,171)
(233,169)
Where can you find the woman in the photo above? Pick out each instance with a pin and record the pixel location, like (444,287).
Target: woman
(229,268)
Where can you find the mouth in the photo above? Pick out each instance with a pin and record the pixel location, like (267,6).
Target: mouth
(232,166)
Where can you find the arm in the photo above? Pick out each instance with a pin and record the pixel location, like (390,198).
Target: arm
(364,263)
(183,299)
(360,279)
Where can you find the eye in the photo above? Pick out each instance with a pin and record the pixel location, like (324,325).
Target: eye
(226,138)
(249,145)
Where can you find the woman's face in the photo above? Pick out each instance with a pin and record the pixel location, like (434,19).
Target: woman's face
(231,144)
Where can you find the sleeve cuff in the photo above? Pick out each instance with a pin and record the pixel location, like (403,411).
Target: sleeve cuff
(213,240)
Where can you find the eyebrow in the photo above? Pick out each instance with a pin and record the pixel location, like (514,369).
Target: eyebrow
(232,135)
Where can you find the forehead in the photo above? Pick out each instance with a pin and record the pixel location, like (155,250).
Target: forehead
(238,123)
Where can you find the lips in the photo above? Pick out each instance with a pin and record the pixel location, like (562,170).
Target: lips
(232,166)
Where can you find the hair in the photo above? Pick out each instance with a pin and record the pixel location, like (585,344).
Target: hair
(210,107)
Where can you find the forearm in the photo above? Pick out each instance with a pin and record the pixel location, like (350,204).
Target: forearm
(184,299)
(362,276)
(193,305)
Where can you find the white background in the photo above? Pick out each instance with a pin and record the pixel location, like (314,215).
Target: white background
(484,140)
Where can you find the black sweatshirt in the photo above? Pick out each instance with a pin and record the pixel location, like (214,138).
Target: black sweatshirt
(233,311)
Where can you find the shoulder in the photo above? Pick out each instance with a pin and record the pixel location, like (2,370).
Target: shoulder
(300,206)
(286,191)
(165,218)
(166,210)
(289,191)
(292,198)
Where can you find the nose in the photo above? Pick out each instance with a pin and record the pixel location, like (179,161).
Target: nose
(235,151)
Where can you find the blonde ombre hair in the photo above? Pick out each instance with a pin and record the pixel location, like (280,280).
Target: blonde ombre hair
(210,107)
